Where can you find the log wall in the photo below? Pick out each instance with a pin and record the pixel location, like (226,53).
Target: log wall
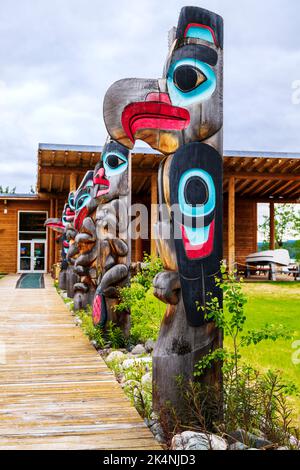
(245,228)
(9,230)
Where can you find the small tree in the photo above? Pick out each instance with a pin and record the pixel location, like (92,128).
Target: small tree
(7,190)
(287,224)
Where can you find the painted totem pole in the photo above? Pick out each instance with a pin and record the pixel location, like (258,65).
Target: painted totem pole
(181,115)
(85,249)
(101,250)
(61,226)
(112,195)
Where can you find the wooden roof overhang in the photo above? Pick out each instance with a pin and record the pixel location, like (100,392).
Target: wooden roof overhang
(264,176)
(258,175)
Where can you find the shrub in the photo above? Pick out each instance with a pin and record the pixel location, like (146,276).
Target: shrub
(140,396)
(146,310)
(251,400)
(93,333)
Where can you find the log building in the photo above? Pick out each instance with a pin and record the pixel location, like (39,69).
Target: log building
(249,178)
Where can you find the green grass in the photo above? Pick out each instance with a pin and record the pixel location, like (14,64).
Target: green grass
(275,303)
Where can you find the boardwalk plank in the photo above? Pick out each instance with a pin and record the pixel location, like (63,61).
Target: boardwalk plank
(56,392)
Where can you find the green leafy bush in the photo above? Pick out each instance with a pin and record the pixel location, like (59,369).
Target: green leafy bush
(114,336)
(251,399)
(140,396)
(93,333)
(146,311)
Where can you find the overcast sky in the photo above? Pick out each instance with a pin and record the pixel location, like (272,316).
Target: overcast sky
(57,59)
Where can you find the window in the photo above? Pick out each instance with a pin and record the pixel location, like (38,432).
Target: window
(31,225)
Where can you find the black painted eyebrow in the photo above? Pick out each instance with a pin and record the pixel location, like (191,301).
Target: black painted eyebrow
(200,52)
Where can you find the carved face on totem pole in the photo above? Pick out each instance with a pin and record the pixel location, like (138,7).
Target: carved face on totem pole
(186,104)
(111,188)
(61,225)
(83,200)
(181,115)
(111,173)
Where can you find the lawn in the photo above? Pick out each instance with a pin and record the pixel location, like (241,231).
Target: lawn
(272,303)
(275,303)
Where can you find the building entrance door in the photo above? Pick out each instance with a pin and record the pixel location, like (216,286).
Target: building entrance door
(32,256)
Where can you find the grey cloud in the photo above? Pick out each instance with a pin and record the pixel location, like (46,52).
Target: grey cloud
(58,58)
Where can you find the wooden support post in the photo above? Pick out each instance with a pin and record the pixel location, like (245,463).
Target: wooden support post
(138,250)
(73,182)
(154,212)
(272,226)
(51,238)
(57,250)
(231,224)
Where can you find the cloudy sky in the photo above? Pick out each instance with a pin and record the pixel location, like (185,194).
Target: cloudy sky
(57,58)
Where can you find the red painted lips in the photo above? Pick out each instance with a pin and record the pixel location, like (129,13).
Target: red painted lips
(80,218)
(102,182)
(158,113)
(199,251)
(54,225)
(70,215)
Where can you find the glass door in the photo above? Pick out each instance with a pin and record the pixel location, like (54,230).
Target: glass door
(32,256)
(38,250)
(25,257)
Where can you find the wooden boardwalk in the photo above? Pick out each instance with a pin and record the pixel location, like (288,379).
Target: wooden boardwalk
(55,390)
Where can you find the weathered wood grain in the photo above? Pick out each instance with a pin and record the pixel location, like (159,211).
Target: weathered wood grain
(55,390)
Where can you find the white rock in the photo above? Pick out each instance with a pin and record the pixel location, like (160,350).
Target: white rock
(177,443)
(139,349)
(294,442)
(198,441)
(156,429)
(147,381)
(149,345)
(283,448)
(160,438)
(116,356)
(238,446)
(132,362)
(154,416)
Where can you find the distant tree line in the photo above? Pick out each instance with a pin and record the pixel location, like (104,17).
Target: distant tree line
(8,190)
(287,226)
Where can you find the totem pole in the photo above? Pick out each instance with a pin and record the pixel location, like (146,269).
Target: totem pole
(60,226)
(112,196)
(101,256)
(181,115)
(85,249)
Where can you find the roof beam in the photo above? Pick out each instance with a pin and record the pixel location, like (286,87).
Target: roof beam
(273,186)
(293,188)
(263,176)
(61,171)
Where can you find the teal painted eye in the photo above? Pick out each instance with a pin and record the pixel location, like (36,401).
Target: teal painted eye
(187,78)
(114,163)
(82,201)
(190,81)
(71,200)
(196,193)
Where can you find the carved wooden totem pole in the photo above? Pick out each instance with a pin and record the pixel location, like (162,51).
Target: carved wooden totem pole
(100,251)
(181,115)
(85,249)
(61,226)
(112,196)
